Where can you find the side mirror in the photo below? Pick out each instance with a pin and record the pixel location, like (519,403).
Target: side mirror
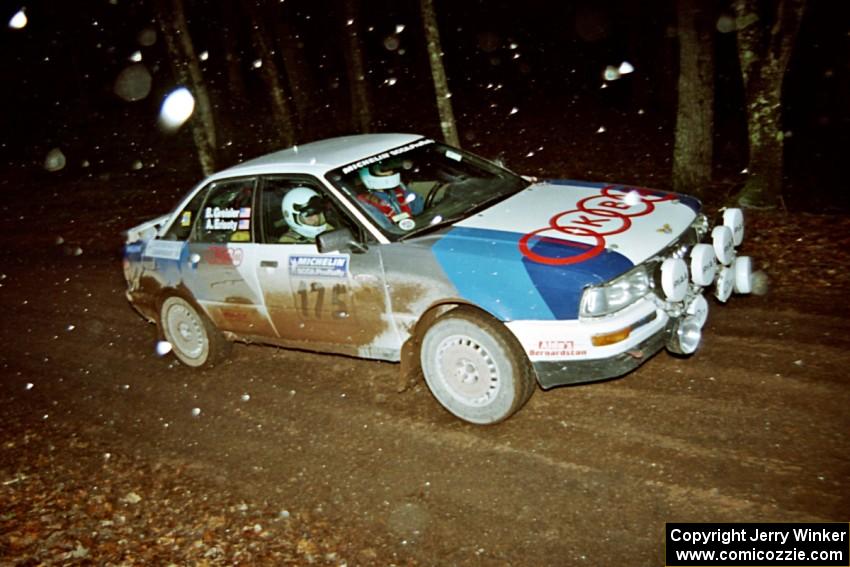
(334,240)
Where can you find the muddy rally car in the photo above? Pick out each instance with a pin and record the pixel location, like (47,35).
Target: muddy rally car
(397,247)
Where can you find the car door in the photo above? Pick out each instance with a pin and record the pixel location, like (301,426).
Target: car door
(334,301)
(218,270)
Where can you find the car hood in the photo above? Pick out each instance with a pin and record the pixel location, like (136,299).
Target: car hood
(531,255)
(579,221)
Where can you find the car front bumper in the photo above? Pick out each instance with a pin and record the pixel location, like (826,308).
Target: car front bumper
(564,372)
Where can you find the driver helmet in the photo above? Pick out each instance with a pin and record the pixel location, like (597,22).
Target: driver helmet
(380,177)
(298,206)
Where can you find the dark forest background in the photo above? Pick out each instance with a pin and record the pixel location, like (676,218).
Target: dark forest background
(526,80)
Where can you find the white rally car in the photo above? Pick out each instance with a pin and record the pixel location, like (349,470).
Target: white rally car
(397,247)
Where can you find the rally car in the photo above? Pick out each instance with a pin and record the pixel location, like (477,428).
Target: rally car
(397,247)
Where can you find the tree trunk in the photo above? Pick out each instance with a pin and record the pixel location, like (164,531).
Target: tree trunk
(693,152)
(360,114)
(298,73)
(235,79)
(271,75)
(438,72)
(184,63)
(764,50)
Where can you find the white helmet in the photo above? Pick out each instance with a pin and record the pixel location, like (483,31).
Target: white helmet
(378,177)
(302,202)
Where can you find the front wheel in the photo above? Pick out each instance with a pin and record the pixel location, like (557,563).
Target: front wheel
(194,339)
(475,368)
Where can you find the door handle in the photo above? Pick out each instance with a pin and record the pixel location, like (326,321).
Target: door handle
(268,263)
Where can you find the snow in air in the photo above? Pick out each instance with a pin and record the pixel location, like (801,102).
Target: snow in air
(146,37)
(177,108)
(196,412)
(726,23)
(258,63)
(612,73)
(391,43)
(632,198)
(19,20)
(136,56)
(163,348)
(133,83)
(399,28)
(204,55)
(55,160)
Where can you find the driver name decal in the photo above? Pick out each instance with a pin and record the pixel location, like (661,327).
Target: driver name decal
(595,217)
(318,266)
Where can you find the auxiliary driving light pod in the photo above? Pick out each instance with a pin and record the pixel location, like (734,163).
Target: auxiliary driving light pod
(743,274)
(703,264)
(734,219)
(674,278)
(685,337)
(698,310)
(725,283)
(724,248)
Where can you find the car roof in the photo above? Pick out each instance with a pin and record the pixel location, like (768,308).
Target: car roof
(319,157)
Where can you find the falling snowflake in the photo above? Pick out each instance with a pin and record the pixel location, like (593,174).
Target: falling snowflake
(601,130)
(176,108)
(19,20)
(55,160)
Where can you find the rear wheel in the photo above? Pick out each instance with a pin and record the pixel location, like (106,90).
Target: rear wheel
(475,367)
(193,338)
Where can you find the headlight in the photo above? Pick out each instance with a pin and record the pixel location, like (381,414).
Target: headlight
(616,294)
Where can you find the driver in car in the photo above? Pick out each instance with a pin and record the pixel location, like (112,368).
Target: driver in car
(387,196)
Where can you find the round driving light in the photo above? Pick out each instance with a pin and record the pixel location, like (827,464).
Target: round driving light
(724,248)
(703,264)
(743,274)
(698,310)
(689,334)
(674,278)
(734,220)
(725,283)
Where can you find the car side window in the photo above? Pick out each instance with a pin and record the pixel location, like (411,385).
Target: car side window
(296,211)
(181,228)
(226,214)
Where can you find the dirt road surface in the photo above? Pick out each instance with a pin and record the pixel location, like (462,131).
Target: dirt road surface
(112,454)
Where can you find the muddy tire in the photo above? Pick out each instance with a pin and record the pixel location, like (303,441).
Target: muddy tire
(194,340)
(475,367)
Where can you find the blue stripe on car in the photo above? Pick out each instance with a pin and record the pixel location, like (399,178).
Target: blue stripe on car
(488,269)
(561,286)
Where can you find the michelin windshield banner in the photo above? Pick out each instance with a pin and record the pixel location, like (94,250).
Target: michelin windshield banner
(762,545)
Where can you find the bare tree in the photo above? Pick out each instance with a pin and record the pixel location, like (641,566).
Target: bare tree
(298,73)
(438,72)
(361,117)
(187,70)
(235,80)
(693,152)
(271,75)
(766,35)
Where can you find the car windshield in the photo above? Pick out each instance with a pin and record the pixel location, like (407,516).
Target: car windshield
(417,187)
